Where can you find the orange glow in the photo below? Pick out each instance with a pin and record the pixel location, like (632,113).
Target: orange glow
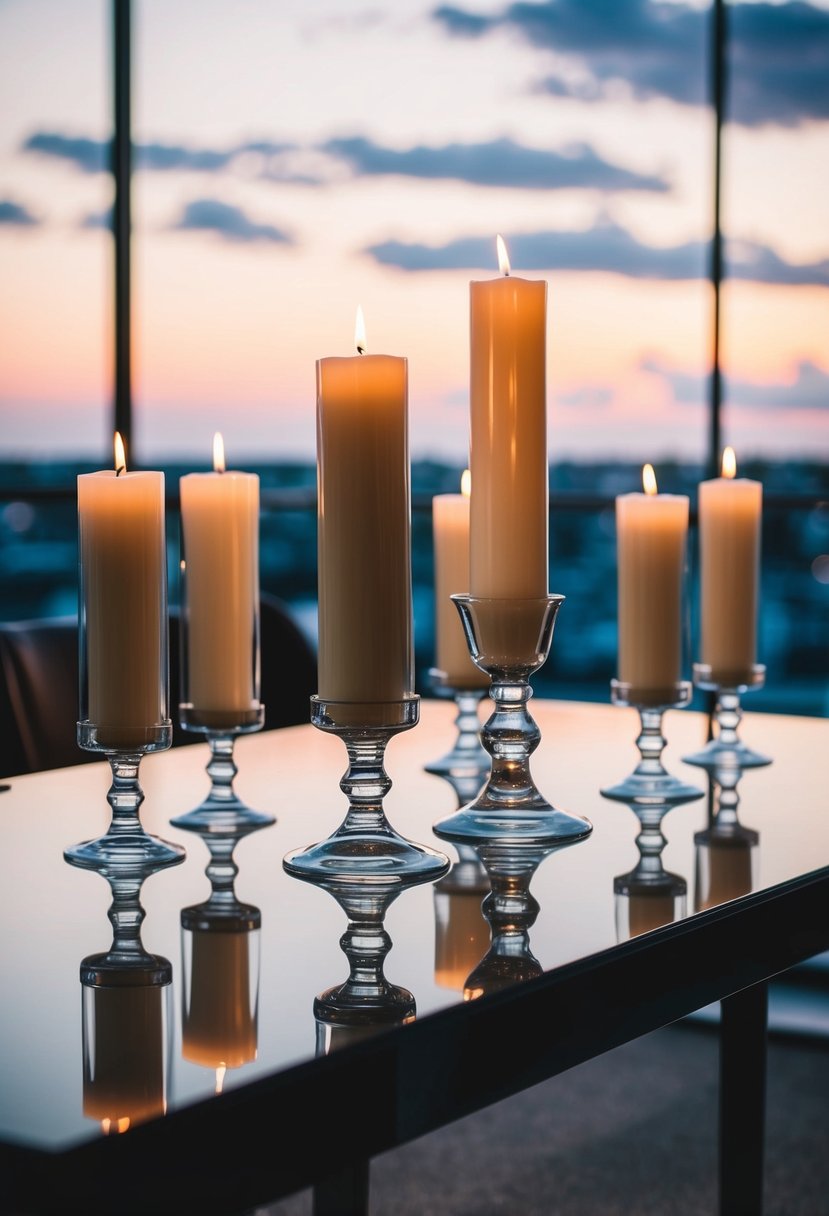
(503,256)
(220,1077)
(729,463)
(218,453)
(466,483)
(120,454)
(648,479)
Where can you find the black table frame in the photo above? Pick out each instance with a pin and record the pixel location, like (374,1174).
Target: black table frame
(318,1124)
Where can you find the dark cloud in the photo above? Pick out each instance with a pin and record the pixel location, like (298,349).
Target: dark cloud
(16,214)
(88,155)
(809,390)
(230,223)
(778,53)
(608,248)
(500,162)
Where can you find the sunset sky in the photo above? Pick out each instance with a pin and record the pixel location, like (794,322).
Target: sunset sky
(296,160)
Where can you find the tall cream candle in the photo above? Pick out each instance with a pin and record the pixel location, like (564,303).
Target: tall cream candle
(730,515)
(220,535)
(450,532)
(651,536)
(124,599)
(364,522)
(508,452)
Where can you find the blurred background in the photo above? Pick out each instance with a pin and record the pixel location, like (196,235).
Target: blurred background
(664,166)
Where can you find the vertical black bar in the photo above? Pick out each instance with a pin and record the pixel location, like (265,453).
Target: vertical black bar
(121,215)
(718,73)
(743,1026)
(344,1193)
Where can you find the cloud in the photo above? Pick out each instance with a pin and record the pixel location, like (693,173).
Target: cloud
(500,162)
(778,53)
(97,220)
(88,155)
(230,223)
(807,390)
(15,214)
(605,247)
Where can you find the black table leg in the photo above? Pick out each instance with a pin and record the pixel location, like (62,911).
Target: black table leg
(344,1193)
(743,1024)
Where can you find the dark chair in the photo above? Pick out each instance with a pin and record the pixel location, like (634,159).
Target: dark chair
(39,686)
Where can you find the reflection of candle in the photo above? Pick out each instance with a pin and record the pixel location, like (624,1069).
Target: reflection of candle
(364,562)
(727,874)
(648,910)
(450,528)
(508,451)
(220,532)
(462,936)
(124,587)
(219,1023)
(651,532)
(729,535)
(123,1081)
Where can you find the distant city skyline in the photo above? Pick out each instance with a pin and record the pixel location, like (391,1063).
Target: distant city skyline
(295,161)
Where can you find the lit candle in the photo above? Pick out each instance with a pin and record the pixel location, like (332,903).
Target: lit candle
(364,521)
(220,536)
(124,600)
(218,1026)
(651,535)
(730,511)
(450,529)
(508,441)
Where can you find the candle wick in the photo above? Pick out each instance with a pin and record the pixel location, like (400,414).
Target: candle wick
(361,350)
(122,468)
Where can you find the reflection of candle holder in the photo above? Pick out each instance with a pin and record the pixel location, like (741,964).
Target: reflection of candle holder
(126,1014)
(366,845)
(726,852)
(726,743)
(510,639)
(466,765)
(649,895)
(650,783)
(511,910)
(125,842)
(366,1002)
(222,803)
(461,929)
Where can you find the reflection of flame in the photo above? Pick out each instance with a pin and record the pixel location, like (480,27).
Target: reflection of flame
(729,463)
(115,1126)
(220,1077)
(466,483)
(649,479)
(360,332)
(218,453)
(503,256)
(120,454)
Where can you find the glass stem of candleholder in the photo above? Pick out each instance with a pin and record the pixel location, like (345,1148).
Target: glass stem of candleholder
(650,784)
(222,770)
(365,784)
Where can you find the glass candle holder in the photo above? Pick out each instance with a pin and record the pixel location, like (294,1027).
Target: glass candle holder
(220,659)
(466,765)
(650,783)
(366,845)
(726,747)
(510,639)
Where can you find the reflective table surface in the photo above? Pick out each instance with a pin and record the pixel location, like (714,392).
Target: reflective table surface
(250,995)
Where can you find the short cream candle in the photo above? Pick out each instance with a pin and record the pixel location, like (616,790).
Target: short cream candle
(220,537)
(450,531)
(365,650)
(651,536)
(730,515)
(123,561)
(508,441)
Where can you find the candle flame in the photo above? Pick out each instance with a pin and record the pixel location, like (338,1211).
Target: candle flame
(120,454)
(108,1126)
(220,1077)
(218,453)
(648,479)
(503,256)
(729,463)
(360,331)
(466,483)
